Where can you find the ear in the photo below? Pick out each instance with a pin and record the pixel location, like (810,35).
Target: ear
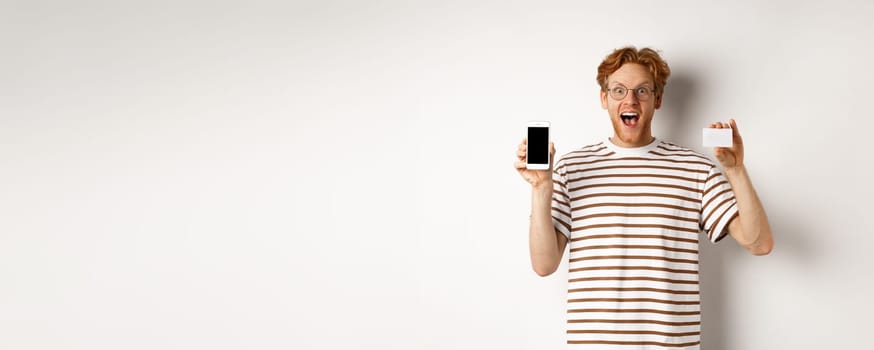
(603,99)
(658,101)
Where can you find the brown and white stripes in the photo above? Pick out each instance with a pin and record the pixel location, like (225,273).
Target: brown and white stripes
(632,218)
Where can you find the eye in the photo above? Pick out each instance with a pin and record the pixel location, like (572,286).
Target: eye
(641,91)
(619,91)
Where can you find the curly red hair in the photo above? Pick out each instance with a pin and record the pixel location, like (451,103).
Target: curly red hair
(646,57)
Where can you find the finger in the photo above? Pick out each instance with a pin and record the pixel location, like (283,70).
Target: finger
(521,153)
(713,125)
(735,132)
(551,148)
(525,140)
(519,165)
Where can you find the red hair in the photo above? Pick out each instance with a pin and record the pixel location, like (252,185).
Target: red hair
(646,57)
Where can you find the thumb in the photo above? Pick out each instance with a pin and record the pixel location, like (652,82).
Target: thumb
(735,133)
(551,155)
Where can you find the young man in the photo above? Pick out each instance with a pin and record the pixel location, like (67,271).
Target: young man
(632,207)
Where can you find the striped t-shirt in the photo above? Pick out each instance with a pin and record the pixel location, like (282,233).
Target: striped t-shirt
(632,217)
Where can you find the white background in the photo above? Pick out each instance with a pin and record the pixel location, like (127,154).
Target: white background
(338,174)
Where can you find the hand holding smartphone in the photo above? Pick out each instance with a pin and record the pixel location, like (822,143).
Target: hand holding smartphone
(538,145)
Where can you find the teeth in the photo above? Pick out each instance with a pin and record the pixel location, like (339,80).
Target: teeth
(628,115)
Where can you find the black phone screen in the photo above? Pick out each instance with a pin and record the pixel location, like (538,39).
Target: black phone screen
(538,145)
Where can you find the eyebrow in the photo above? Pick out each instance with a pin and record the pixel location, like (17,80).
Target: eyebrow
(647,84)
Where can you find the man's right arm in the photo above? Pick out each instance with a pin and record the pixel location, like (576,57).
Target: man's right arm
(545,244)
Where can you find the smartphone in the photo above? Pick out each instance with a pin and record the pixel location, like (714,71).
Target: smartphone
(538,145)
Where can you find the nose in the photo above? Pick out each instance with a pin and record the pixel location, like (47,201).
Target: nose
(632,97)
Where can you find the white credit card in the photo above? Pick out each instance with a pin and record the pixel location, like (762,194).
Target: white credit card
(717,137)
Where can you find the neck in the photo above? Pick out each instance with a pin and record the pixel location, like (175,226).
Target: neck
(616,140)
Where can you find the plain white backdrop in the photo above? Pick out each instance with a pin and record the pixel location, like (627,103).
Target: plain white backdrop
(338,174)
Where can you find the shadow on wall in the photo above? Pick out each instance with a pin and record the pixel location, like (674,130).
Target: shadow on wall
(716,259)
(679,126)
(676,123)
(792,230)
(674,117)
(715,328)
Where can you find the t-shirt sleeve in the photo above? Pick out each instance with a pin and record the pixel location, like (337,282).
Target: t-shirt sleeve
(718,205)
(561,207)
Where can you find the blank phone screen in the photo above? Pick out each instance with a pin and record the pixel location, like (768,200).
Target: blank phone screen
(538,145)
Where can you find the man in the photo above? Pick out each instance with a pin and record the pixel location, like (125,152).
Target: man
(632,207)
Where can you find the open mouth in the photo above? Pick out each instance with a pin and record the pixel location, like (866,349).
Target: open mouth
(629,118)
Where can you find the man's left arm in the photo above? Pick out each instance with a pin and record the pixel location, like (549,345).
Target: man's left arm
(750,228)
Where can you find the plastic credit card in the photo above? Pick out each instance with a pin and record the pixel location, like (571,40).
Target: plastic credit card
(717,137)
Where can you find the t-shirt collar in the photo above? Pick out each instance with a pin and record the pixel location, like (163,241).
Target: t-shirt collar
(632,151)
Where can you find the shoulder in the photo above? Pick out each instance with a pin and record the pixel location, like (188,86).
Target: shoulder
(582,153)
(680,153)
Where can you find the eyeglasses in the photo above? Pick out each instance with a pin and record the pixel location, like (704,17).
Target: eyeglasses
(642,93)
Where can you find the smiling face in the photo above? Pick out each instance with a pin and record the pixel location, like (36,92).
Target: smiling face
(631,117)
